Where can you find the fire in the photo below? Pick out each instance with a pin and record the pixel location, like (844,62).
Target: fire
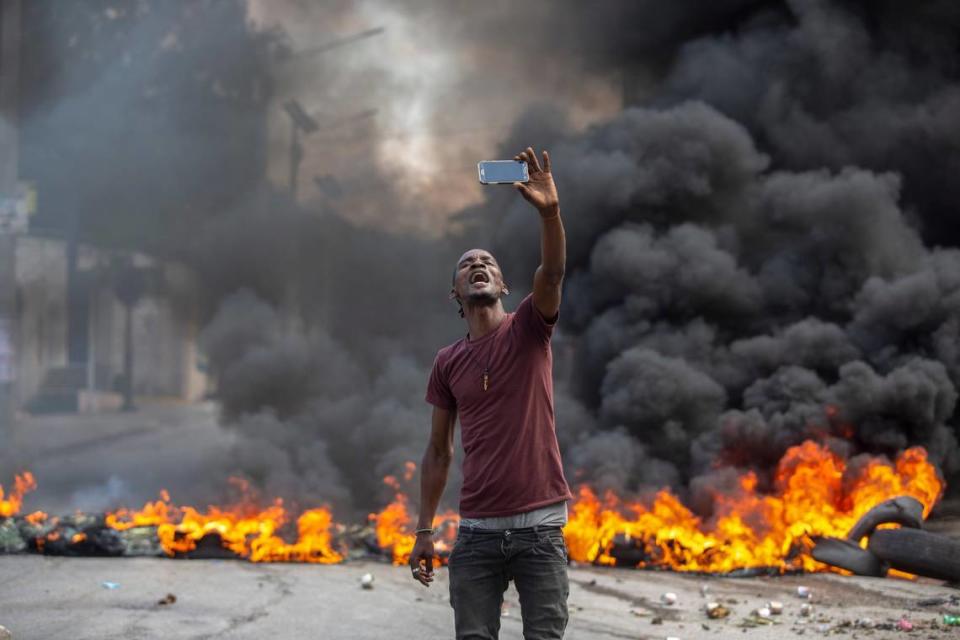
(244,528)
(23,484)
(394,528)
(817,493)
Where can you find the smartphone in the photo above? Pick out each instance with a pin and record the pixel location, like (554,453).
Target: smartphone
(502,171)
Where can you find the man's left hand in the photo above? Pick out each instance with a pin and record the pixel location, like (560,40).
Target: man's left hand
(540,191)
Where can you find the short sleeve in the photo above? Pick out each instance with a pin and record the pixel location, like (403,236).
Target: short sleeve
(529,318)
(438,391)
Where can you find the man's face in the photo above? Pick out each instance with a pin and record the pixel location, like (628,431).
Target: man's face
(478,278)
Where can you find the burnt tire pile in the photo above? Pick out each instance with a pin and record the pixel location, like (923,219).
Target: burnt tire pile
(908,548)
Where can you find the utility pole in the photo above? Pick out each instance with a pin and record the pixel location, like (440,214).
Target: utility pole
(9,209)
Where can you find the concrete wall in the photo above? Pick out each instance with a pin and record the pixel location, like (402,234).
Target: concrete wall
(41,292)
(164,329)
(164,347)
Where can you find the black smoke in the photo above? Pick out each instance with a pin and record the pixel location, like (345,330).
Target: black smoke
(760,251)
(760,241)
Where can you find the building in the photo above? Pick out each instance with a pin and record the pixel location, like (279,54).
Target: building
(163,354)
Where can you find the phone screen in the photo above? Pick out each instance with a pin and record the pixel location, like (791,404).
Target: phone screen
(502,171)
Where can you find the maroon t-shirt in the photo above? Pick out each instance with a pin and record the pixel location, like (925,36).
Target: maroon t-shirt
(512,460)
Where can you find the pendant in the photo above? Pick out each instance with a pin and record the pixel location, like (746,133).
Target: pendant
(486,380)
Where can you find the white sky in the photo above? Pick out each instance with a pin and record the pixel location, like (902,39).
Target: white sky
(444,100)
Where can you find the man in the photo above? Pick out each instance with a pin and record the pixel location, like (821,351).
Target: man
(513,503)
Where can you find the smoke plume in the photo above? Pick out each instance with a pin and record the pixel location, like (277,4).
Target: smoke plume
(758,200)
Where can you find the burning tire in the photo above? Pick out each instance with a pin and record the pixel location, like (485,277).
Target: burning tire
(903,510)
(917,551)
(848,555)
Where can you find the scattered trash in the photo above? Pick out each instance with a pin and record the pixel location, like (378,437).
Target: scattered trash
(756,620)
(775,607)
(704,590)
(366,581)
(865,623)
(806,609)
(824,627)
(656,620)
(904,625)
(762,612)
(167,599)
(669,598)
(803,592)
(110,585)
(716,610)
(951,621)
(5,633)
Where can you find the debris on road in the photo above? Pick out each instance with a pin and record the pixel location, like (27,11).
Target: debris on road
(775,607)
(715,610)
(366,581)
(167,599)
(669,598)
(110,585)
(10,539)
(806,609)
(803,592)
(904,625)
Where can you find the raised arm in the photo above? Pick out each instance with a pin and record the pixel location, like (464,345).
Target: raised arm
(433,479)
(541,192)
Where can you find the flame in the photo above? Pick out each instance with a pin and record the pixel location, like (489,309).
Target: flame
(23,484)
(814,492)
(817,494)
(394,528)
(244,528)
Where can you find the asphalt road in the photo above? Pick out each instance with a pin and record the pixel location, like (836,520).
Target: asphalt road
(43,598)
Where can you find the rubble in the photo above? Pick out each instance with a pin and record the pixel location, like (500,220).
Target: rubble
(366,581)
(167,600)
(668,598)
(715,611)
(803,592)
(10,539)
(141,541)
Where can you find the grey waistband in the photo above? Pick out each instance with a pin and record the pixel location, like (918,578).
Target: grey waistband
(552,515)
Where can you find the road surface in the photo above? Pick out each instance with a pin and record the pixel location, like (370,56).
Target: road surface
(44,598)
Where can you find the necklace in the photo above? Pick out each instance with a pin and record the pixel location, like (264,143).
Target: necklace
(485,376)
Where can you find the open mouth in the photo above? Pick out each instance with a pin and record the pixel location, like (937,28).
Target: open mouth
(479,277)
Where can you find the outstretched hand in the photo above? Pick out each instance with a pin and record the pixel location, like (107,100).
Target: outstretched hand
(540,191)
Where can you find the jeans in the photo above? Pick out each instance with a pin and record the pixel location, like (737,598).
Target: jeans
(481,566)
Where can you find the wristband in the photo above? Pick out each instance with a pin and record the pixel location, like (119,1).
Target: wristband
(430,531)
